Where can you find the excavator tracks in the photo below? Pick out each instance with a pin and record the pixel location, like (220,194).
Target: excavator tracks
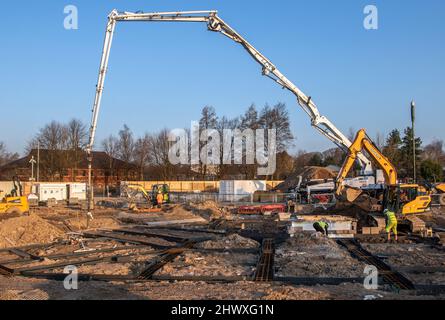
(393,278)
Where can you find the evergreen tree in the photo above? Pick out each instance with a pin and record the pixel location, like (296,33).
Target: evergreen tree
(392,147)
(406,152)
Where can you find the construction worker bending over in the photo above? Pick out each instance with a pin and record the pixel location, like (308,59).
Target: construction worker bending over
(322,227)
(391,223)
(160,199)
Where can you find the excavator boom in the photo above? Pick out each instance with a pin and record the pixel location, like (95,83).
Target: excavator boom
(363,142)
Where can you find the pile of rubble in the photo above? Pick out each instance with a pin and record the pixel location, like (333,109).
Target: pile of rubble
(26,230)
(308,173)
(224,264)
(229,242)
(208,210)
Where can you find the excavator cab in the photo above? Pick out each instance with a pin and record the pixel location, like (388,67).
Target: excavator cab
(162,188)
(15,202)
(407,199)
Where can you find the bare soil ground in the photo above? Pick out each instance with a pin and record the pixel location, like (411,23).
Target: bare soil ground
(215,264)
(26,230)
(230,242)
(37,289)
(306,255)
(313,255)
(412,255)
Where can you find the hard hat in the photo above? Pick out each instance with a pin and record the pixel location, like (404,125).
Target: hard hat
(385,211)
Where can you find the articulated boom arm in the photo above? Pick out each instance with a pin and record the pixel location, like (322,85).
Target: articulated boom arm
(363,142)
(215,23)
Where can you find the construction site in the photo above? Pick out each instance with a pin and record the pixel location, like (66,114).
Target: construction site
(365,230)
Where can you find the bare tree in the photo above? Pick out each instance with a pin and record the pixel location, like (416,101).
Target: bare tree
(53,138)
(351,133)
(142,153)
(224,124)
(5,156)
(333,156)
(77,134)
(250,119)
(302,159)
(126,144)
(277,118)
(111,147)
(158,156)
(209,120)
(126,147)
(434,151)
(76,141)
(380,140)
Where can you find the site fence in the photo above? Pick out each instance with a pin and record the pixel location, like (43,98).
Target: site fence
(192,186)
(229,198)
(236,199)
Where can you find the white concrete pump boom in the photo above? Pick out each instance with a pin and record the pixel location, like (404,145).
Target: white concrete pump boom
(215,23)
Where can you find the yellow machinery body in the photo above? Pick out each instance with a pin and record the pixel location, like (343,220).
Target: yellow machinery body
(18,205)
(408,199)
(440,187)
(133,189)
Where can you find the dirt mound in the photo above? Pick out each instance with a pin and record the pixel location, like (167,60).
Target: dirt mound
(80,223)
(307,173)
(27,230)
(208,210)
(232,241)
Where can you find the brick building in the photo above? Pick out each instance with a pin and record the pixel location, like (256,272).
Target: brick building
(69,166)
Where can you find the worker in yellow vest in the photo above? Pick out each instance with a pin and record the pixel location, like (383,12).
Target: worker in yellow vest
(321,226)
(159,199)
(391,223)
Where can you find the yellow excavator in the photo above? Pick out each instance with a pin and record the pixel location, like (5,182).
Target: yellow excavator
(403,199)
(437,189)
(14,202)
(133,190)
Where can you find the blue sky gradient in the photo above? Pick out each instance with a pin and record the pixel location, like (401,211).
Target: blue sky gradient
(161,75)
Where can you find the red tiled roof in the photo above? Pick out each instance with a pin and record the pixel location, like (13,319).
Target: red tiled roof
(101,160)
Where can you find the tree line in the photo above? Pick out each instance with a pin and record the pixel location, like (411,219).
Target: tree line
(147,155)
(5,156)
(150,152)
(430,160)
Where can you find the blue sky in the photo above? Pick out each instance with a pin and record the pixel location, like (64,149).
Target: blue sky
(161,75)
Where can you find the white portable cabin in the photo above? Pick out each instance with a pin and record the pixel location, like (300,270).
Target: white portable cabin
(237,190)
(77,190)
(47,191)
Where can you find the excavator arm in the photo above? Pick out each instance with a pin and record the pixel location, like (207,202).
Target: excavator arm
(133,189)
(363,142)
